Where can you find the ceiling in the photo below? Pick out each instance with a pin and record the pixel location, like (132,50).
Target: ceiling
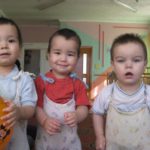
(77,10)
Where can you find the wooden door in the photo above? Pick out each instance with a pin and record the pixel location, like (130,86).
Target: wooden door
(83,68)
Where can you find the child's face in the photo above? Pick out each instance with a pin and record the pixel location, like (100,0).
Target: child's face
(63,56)
(129,63)
(9,45)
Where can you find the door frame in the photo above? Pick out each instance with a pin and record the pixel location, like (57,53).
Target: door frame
(88,50)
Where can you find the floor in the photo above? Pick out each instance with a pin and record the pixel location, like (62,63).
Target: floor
(86,134)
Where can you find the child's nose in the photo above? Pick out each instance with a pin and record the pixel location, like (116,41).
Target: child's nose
(128,64)
(3,44)
(63,57)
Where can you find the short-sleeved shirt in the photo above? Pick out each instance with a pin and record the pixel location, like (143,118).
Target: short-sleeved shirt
(121,100)
(27,89)
(61,90)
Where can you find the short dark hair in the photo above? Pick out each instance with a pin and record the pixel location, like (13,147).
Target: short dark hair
(67,34)
(4,21)
(127,38)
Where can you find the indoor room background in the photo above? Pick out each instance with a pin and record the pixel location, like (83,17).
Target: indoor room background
(97,22)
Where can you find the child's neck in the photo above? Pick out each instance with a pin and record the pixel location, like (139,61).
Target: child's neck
(5,70)
(129,88)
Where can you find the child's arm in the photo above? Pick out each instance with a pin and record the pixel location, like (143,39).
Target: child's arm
(15,113)
(73,118)
(98,122)
(51,125)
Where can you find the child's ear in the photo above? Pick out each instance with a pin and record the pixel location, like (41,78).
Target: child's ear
(145,64)
(112,64)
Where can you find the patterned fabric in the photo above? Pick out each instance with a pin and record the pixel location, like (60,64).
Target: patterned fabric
(128,130)
(67,139)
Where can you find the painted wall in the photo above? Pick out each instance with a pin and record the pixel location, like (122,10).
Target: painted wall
(37,33)
(97,35)
(35,37)
(100,36)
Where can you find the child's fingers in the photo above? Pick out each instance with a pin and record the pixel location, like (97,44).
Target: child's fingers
(53,130)
(71,122)
(100,145)
(9,115)
(8,102)
(69,116)
(52,126)
(70,119)
(10,121)
(10,125)
(10,106)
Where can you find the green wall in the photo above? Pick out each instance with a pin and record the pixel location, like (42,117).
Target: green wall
(88,40)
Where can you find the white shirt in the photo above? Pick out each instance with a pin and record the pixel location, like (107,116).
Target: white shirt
(120,99)
(27,91)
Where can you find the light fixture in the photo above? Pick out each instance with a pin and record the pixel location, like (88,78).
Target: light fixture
(48,3)
(126,5)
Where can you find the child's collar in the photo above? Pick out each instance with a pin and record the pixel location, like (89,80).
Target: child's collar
(52,80)
(16,77)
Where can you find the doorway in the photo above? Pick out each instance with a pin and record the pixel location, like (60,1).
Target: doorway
(83,68)
(32,61)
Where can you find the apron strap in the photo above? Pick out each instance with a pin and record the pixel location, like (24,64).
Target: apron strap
(17,78)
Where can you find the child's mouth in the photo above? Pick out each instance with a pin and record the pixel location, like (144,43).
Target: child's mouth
(129,74)
(3,54)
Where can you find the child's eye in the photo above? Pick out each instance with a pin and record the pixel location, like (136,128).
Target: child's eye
(12,40)
(120,60)
(70,54)
(57,53)
(137,60)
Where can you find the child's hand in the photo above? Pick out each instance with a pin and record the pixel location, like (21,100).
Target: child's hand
(52,126)
(71,119)
(100,143)
(12,114)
